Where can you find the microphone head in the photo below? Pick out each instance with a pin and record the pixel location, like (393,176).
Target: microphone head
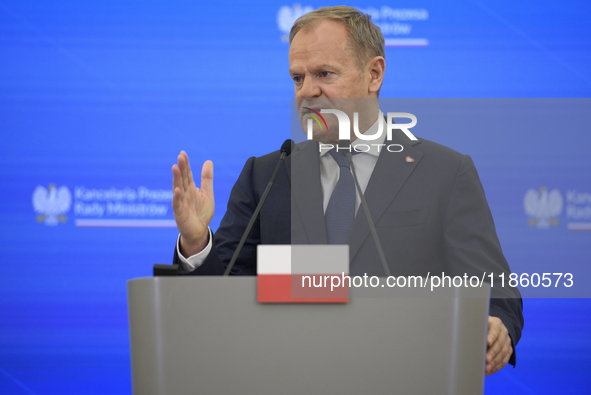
(287,146)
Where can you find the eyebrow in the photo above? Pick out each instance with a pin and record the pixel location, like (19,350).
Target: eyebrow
(322,66)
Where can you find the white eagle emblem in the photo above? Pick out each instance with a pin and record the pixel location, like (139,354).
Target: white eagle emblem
(543,207)
(52,204)
(288,15)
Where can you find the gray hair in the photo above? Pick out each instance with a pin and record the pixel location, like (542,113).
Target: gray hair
(367,40)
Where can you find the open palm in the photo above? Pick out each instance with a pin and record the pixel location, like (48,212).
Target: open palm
(193,207)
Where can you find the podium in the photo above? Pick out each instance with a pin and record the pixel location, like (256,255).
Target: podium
(208,335)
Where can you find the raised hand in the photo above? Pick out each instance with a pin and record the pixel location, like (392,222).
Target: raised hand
(193,207)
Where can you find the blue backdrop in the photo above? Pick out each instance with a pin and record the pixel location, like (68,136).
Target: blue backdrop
(98,97)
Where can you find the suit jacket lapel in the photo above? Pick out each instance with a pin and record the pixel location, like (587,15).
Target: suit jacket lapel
(391,172)
(306,191)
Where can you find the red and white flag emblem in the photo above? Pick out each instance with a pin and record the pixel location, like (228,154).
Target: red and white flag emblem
(303,273)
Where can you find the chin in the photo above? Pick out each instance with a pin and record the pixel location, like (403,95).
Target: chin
(326,138)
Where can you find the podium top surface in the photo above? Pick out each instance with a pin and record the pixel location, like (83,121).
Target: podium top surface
(209,335)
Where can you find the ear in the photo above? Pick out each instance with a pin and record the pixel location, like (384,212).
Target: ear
(375,69)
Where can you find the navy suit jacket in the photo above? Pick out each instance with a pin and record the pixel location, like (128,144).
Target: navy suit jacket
(431,216)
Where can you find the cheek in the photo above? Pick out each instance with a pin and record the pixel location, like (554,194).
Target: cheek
(355,86)
(340,89)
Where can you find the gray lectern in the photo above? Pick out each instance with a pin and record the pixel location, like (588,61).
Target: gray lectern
(208,335)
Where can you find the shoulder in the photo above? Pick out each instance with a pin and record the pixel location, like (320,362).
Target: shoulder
(260,168)
(270,159)
(438,151)
(265,163)
(438,164)
(436,157)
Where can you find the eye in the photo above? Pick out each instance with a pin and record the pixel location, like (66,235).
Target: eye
(297,79)
(325,73)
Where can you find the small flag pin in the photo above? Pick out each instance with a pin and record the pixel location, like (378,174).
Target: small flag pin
(409,159)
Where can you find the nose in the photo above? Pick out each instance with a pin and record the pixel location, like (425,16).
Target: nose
(309,89)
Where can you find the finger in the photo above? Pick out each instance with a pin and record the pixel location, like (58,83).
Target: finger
(207,178)
(190,182)
(494,349)
(185,169)
(177,197)
(495,354)
(493,368)
(494,328)
(181,165)
(502,357)
(176,177)
(506,352)
(188,172)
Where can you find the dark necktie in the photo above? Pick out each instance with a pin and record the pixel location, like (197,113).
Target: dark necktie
(340,211)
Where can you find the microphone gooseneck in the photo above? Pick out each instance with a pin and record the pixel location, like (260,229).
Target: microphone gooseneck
(345,145)
(285,152)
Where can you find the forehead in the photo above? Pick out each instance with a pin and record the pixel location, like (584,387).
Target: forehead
(325,43)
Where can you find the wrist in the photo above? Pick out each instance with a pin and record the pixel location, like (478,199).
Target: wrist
(190,248)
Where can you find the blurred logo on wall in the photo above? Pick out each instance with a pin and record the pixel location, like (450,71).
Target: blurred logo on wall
(92,207)
(397,24)
(544,207)
(52,204)
(286,17)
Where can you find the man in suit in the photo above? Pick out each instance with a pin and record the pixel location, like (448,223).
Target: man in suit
(427,201)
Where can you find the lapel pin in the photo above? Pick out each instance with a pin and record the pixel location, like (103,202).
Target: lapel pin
(409,159)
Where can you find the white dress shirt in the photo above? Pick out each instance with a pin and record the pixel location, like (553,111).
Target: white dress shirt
(365,161)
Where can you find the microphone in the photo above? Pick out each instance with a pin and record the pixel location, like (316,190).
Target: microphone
(285,152)
(345,145)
